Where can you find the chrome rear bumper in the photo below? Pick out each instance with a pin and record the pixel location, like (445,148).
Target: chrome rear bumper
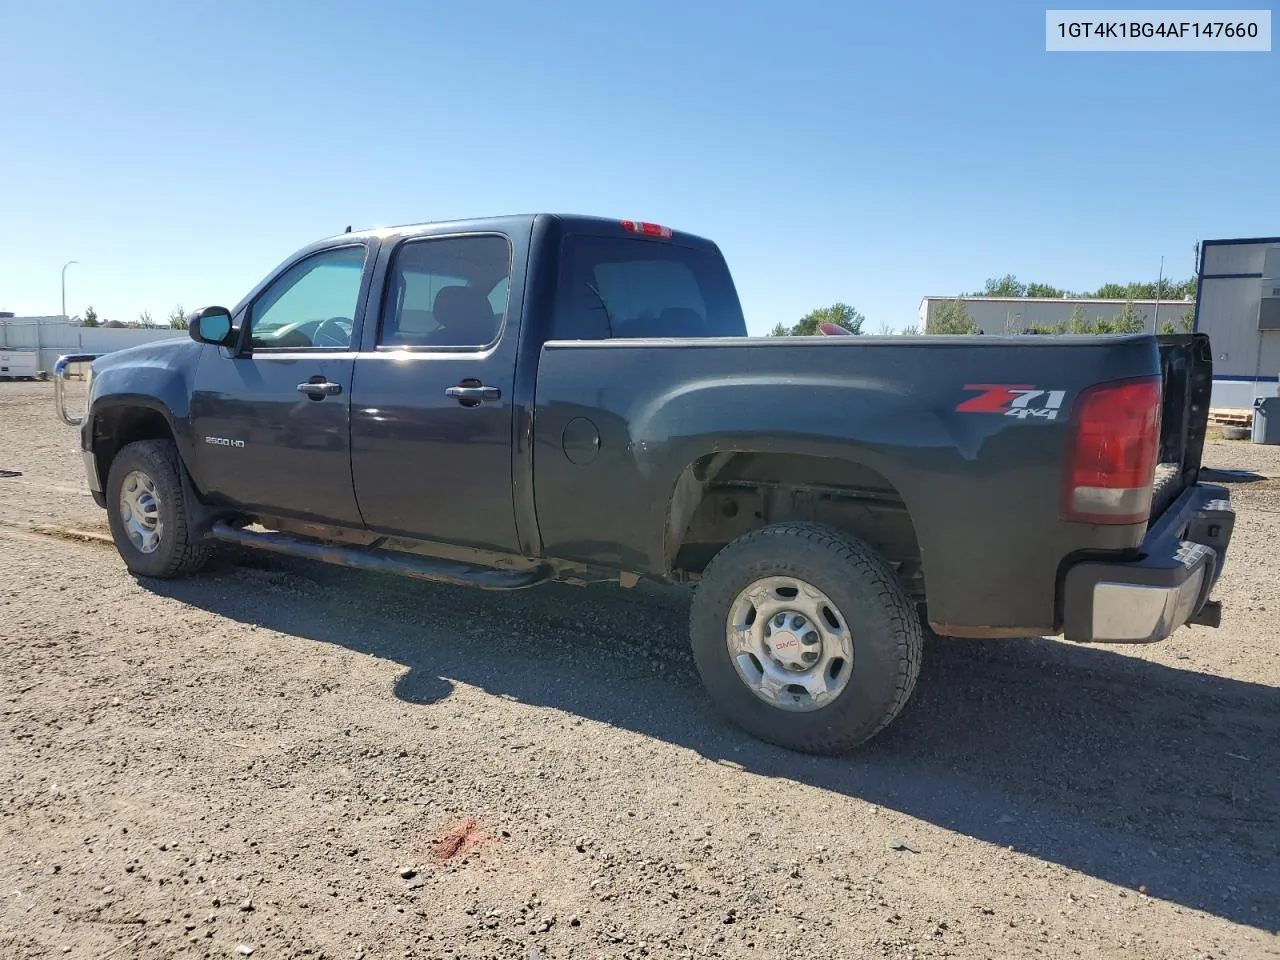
(1147,599)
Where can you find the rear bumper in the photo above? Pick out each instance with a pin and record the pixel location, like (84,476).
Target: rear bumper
(1145,600)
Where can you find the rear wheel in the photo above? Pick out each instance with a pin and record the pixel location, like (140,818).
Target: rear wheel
(805,638)
(147,512)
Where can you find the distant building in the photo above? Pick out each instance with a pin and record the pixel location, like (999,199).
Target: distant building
(49,337)
(1239,308)
(997,316)
(1237,305)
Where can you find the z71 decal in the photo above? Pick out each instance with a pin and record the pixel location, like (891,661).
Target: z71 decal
(1013,400)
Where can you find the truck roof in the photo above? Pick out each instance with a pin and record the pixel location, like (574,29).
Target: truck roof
(576,223)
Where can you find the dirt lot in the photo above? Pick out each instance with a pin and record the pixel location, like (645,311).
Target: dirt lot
(288,760)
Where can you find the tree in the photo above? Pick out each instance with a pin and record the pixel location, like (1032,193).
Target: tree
(841,314)
(178,318)
(1109,291)
(885,329)
(1128,320)
(1156,289)
(1078,322)
(1006,286)
(952,317)
(90,317)
(144,319)
(1045,290)
(1184,324)
(1161,289)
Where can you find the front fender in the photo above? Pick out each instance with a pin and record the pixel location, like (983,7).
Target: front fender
(158,379)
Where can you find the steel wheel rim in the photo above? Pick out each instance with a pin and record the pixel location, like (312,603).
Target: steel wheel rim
(770,635)
(140,511)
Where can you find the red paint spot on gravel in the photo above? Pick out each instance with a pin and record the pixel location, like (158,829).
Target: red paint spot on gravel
(460,839)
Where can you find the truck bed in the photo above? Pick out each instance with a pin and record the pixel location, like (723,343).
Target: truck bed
(917,416)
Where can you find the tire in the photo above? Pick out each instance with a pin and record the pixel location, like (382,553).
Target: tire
(866,616)
(152,470)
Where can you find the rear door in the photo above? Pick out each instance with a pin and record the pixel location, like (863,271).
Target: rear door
(431,418)
(272,422)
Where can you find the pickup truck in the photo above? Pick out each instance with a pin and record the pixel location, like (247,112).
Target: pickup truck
(511,401)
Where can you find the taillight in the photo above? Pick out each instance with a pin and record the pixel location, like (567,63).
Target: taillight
(646,229)
(1111,459)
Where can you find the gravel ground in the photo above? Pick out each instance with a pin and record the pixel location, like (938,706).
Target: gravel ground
(281,759)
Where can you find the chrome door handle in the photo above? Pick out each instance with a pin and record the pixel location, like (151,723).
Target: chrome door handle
(473,395)
(318,391)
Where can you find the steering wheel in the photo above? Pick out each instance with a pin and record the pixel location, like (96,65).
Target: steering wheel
(334,332)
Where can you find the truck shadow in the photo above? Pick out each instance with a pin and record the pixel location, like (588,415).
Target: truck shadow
(1129,771)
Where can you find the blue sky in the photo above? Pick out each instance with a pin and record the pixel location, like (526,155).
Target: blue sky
(865,153)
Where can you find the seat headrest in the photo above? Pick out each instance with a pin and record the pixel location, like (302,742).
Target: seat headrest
(464,316)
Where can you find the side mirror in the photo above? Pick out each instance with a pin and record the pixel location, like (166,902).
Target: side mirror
(210,325)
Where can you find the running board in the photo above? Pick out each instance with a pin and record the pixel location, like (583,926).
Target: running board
(385,561)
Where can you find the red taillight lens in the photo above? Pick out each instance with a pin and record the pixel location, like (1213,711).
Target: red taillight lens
(646,229)
(1111,461)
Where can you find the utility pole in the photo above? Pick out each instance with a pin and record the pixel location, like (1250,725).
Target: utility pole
(1159,284)
(64,286)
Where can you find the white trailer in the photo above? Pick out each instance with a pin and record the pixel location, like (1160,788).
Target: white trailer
(19,364)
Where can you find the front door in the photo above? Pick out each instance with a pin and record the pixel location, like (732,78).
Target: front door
(431,416)
(272,421)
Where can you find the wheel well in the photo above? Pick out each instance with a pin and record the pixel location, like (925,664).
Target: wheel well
(117,427)
(723,496)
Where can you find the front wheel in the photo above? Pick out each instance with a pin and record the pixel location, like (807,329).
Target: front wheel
(805,638)
(147,512)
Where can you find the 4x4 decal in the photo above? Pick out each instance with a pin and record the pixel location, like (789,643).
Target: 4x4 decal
(1013,400)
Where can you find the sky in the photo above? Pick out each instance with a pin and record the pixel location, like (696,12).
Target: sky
(865,153)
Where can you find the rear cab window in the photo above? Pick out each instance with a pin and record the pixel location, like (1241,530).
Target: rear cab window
(632,287)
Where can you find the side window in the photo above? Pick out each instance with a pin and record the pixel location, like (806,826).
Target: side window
(447,292)
(623,287)
(312,304)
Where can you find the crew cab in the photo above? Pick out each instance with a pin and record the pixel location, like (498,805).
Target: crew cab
(507,402)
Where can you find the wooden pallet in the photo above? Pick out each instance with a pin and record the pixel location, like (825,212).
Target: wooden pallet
(1231,416)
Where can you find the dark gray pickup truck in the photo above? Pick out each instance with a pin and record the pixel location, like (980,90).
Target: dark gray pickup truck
(512,401)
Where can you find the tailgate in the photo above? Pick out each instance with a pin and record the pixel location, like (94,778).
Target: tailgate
(1186,367)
